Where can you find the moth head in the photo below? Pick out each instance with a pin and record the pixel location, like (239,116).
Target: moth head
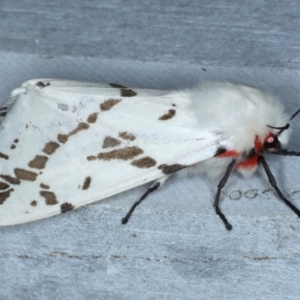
(277,137)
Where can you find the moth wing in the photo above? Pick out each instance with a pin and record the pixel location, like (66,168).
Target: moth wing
(66,144)
(6,106)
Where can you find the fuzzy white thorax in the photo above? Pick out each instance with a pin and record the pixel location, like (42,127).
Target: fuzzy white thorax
(238,113)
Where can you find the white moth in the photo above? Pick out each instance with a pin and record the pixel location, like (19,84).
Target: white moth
(65,144)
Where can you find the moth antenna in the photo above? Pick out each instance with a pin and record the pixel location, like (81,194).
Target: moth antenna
(274,185)
(217,198)
(281,129)
(285,152)
(295,114)
(133,207)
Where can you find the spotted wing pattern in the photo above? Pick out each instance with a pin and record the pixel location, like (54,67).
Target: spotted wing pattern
(66,144)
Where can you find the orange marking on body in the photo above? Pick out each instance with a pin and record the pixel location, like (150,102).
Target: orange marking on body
(228,153)
(249,162)
(258,144)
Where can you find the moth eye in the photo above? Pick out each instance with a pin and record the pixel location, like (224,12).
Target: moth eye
(272,142)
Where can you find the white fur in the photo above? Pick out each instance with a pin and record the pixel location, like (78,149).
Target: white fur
(206,118)
(237,113)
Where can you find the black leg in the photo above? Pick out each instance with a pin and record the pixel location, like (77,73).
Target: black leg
(217,198)
(150,190)
(274,185)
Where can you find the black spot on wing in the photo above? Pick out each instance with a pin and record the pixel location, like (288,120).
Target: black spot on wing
(5,156)
(219,151)
(92,118)
(50,148)
(87,182)
(3,186)
(13,146)
(128,93)
(108,104)
(44,186)
(125,91)
(171,113)
(144,162)
(110,142)
(50,197)
(23,174)
(5,195)
(39,162)
(117,86)
(66,207)
(9,179)
(63,138)
(127,136)
(169,169)
(125,153)
(41,84)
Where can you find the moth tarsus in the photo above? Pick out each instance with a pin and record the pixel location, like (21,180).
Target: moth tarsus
(228,226)
(217,198)
(151,189)
(273,183)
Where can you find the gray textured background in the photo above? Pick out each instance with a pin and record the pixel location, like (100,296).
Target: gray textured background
(174,247)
